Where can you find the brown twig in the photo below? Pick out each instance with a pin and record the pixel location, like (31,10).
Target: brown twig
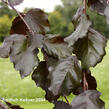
(85,4)
(19,15)
(85,84)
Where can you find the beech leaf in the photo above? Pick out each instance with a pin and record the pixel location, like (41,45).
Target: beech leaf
(22,52)
(15,2)
(40,76)
(97,5)
(80,32)
(61,105)
(101,7)
(65,76)
(37,21)
(90,49)
(5,49)
(18,26)
(77,17)
(55,46)
(88,100)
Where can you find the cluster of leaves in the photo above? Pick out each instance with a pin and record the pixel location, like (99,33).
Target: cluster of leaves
(60,73)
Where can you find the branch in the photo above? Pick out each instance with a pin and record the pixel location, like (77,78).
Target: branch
(85,4)
(85,83)
(19,15)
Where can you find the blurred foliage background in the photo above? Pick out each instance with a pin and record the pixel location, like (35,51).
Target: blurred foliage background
(60,19)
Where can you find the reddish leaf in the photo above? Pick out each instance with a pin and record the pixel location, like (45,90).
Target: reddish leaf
(61,105)
(50,96)
(90,49)
(65,76)
(37,20)
(98,5)
(76,18)
(89,99)
(55,46)
(22,51)
(40,76)
(18,26)
(80,32)
(101,7)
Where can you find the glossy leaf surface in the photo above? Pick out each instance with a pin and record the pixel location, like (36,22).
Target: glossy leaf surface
(81,29)
(37,21)
(98,5)
(91,49)
(40,76)
(22,53)
(55,46)
(61,105)
(88,100)
(65,76)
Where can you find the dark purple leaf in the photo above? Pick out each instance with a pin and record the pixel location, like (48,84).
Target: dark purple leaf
(65,76)
(5,49)
(98,5)
(36,40)
(61,105)
(18,26)
(76,18)
(89,99)
(81,28)
(51,61)
(90,49)
(101,7)
(50,96)
(15,2)
(22,51)
(79,90)
(37,20)
(40,76)
(55,46)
